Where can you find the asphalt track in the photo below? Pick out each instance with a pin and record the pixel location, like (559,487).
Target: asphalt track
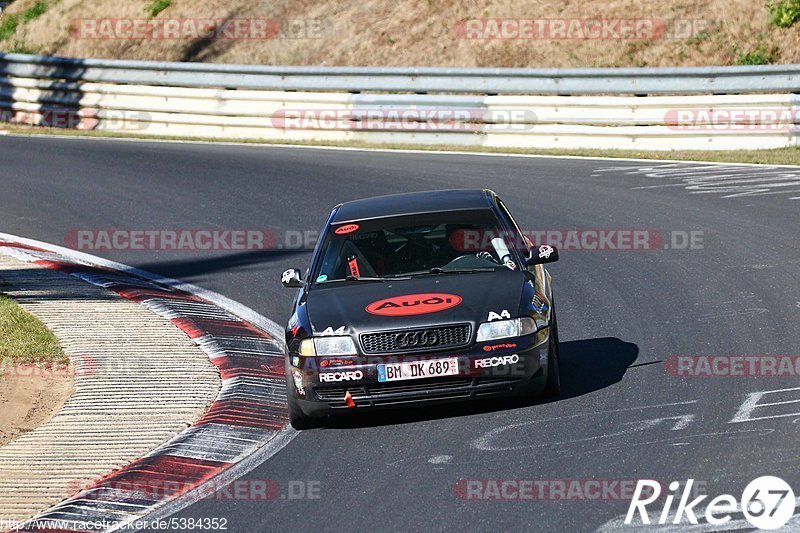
(622,314)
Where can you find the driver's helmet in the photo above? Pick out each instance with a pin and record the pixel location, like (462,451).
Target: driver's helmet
(458,238)
(467,239)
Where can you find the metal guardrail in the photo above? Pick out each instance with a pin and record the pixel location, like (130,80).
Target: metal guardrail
(688,80)
(393,105)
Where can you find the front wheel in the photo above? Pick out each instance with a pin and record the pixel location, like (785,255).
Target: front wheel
(297,418)
(552,386)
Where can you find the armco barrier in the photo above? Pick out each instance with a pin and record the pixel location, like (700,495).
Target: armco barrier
(779,78)
(513,108)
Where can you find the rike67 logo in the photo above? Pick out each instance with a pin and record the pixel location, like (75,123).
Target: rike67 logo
(767,502)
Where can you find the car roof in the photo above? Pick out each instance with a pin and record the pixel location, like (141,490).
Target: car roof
(413,203)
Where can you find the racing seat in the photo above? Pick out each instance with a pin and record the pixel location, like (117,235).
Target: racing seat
(351,256)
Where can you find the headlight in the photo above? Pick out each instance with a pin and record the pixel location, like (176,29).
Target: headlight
(502,329)
(327,346)
(540,321)
(527,325)
(307,348)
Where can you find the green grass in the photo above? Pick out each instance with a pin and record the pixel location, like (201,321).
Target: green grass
(157,6)
(784,13)
(8,26)
(701,36)
(760,55)
(10,22)
(35,11)
(23,337)
(775,156)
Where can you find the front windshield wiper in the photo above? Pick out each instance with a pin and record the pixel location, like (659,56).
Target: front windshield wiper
(439,270)
(361,278)
(431,272)
(348,278)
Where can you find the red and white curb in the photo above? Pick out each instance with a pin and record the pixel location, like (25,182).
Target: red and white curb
(245,425)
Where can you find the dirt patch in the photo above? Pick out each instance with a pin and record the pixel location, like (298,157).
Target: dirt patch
(35,376)
(421,32)
(30,395)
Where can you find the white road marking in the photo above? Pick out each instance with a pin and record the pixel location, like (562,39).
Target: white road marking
(750,404)
(752,311)
(440,459)
(484,442)
(728,180)
(740,434)
(682,423)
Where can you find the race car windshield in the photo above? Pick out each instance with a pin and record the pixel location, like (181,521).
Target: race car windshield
(438,243)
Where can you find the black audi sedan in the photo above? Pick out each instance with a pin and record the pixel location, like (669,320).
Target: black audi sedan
(417,298)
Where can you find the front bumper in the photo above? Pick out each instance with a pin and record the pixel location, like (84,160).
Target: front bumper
(504,367)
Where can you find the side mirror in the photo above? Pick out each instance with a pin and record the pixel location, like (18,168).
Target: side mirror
(291,279)
(542,254)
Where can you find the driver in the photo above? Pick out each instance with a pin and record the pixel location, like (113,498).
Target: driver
(464,239)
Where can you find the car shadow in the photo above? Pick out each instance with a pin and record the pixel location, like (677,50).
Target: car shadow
(587,366)
(191,268)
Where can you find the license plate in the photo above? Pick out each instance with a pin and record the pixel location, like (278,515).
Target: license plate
(418,369)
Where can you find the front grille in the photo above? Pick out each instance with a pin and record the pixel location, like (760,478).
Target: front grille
(416,340)
(382,389)
(397,393)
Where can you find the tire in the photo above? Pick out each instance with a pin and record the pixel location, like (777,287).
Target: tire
(552,387)
(298,419)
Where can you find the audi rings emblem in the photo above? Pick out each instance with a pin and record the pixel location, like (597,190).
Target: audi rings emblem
(416,339)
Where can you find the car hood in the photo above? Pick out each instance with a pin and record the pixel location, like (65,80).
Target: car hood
(422,301)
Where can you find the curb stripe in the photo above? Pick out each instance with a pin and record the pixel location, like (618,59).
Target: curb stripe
(249,411)
(143,295)
(197,327)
